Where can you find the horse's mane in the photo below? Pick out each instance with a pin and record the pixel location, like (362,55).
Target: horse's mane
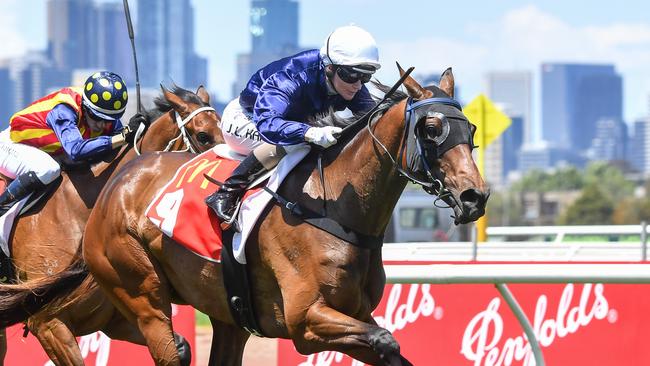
(162,106)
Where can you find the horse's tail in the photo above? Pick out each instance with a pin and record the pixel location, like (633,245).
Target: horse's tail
(20,301)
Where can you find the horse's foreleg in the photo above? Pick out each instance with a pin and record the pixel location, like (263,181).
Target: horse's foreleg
(142,296)
(228,342)
(58,342)
(326,329)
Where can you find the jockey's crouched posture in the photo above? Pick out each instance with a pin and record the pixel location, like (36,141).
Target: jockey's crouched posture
(74,123)
(270,115)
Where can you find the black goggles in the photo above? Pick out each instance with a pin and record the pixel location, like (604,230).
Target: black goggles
(350,75)
(95,117)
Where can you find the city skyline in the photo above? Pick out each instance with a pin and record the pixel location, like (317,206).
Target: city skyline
(472,38)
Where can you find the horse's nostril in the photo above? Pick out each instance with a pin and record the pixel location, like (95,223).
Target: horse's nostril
(472,196)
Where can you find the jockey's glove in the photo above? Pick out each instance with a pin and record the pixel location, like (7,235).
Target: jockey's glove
(323,136)
(130,130)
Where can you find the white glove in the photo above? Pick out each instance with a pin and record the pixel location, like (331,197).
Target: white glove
(323,136)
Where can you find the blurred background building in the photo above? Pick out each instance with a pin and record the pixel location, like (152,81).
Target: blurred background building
(274,34)
(574,98)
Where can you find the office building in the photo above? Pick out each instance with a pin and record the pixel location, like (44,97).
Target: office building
(165,39)
(512,90)
(574,98)
(274,34)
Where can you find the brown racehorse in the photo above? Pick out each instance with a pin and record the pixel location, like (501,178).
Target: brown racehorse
(307,285)
(45,241)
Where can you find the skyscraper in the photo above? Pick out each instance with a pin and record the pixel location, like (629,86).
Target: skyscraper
(611,140)
(6,96)
(165,38)
(274,34)
(69,29)
(502,155)
(640,146)
(33,76)
(512,90)
(574,98)
(274,26)
(112,48)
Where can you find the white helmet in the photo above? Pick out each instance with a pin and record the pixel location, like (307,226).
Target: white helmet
(350,46)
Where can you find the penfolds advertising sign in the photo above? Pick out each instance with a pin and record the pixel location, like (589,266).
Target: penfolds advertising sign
(96,348)
(590,324)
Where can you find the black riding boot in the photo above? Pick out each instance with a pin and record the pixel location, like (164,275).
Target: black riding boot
(23,185)
(224,201)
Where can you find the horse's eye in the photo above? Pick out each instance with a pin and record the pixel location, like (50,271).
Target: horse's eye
(432,131)
(203,138)
(432,128)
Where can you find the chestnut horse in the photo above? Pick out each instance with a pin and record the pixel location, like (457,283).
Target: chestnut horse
(45,240)
(306,284)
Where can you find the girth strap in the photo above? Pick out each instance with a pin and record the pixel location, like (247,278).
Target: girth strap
(237,284)
(328,225)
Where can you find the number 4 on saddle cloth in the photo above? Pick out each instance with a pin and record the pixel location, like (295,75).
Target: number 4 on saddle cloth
(180,212)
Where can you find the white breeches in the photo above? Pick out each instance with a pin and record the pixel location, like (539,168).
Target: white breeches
(238,129)
(17,159)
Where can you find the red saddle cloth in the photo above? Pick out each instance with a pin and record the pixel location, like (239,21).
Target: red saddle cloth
(179,209)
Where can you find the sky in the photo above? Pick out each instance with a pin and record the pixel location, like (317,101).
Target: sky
(473,37)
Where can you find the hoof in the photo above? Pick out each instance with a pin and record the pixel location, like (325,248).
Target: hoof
(184,350)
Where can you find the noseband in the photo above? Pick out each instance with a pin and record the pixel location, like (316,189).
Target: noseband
(181,126)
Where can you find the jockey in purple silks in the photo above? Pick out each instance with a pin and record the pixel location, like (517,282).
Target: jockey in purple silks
(270,116)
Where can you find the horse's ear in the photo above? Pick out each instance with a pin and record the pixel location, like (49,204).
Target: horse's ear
(447,82)
(177,103)
(203,94)
(414,89)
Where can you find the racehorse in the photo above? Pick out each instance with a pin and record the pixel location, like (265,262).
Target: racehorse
(37,251)
(307,285)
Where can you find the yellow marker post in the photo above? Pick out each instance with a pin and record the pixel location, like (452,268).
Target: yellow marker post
(490,123)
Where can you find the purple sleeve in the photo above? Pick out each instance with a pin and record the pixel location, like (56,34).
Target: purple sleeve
(63,120)
(271,106)
(117,127)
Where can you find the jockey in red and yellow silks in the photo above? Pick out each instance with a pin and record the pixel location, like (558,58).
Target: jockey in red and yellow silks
(75,123)
(30,127)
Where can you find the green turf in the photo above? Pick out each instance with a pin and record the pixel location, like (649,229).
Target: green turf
(202,320)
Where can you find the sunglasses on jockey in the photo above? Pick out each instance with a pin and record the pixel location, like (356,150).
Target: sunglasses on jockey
(352,74)
(95,117)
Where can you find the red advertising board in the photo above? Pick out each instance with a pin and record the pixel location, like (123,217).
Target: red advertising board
(591,324)
(97,348)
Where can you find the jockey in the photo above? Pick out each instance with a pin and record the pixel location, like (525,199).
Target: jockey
(70,124)
(270,116)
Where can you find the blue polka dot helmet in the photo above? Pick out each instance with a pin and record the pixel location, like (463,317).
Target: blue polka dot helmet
(105,95)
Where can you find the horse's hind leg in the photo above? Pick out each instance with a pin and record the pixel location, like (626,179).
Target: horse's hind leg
(324,328)
(58,342)
(228,342)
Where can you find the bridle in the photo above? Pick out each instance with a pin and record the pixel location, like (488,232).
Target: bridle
(417,151)
(191,145)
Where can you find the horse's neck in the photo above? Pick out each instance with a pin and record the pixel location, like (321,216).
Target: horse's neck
(160,133)
(362,181)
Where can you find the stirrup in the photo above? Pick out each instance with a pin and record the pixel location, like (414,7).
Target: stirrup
(232,223)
